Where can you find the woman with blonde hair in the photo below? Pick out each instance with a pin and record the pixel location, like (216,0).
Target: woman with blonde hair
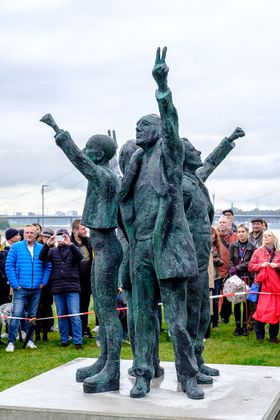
(265,263)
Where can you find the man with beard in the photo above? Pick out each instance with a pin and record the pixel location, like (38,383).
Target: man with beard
(256,236)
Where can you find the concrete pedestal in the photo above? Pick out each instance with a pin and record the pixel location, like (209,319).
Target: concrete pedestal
(241,392)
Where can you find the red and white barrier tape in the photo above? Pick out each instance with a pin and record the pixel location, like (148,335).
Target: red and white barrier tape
(124,309)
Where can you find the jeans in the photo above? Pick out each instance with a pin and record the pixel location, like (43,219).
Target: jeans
(23,298)
(69,303)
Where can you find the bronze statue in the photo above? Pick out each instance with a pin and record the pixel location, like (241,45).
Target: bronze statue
(162,254)
(100,216)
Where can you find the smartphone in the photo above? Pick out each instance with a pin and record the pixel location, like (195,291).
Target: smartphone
(59,238)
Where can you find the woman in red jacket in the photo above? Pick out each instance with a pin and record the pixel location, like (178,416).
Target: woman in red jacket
(265,263)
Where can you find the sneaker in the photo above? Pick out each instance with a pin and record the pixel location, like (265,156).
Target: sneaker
(88,334)
(23,335)
(95,329)
(31,345)
(54,328)
(4,335)
(10,348)
(97,343)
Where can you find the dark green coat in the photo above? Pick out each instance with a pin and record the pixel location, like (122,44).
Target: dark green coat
(174,251)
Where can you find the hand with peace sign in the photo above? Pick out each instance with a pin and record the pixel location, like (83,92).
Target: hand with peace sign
(160,70)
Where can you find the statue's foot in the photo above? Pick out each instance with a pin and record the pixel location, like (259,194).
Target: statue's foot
(141,387)
(189,386)
(105,381)
(159,371)
(91,370)
(131,371)
(202,379)
(206,370)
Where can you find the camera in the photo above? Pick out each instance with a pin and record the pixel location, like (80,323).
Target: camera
(59,238)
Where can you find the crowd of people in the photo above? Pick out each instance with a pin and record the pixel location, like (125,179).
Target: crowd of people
(254,258)
(41,268)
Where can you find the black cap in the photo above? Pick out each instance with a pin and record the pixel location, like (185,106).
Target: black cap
(48,232)
(257,219)
(10,233)
(228,211)
(62,232)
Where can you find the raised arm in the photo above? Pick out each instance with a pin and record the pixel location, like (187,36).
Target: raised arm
(113,163)
(171,142)
(71,150)
(218,155)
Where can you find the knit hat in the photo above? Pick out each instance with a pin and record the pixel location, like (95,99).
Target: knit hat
(10,233)
(48,232)
(62,232)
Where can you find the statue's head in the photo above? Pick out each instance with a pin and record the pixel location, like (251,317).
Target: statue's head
(192,159)
(148,130)
(125,154)
(100,148)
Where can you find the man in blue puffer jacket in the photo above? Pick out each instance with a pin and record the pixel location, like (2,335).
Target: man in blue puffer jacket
(27,275)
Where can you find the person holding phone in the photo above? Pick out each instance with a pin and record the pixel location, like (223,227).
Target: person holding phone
(65,283)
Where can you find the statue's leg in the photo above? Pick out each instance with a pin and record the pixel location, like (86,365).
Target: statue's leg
(130,325)
(144,295)
(194,299)
(158,370)
(174,298)
(108,255)
(203,325)
(86,372)
(125,281)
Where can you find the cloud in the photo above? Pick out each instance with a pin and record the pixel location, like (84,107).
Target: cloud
(89,64)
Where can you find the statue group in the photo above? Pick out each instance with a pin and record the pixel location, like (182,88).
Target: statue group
(163,214)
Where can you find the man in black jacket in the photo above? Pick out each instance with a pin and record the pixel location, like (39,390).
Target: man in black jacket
(81,240)
(240,253)
(65,284)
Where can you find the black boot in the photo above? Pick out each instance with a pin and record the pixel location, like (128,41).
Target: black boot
(106,380)
(238,331)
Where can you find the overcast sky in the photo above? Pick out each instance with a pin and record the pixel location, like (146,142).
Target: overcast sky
(89,64)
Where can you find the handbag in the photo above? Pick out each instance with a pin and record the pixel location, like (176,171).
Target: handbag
(253,297)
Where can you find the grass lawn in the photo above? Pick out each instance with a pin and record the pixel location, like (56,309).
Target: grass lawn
(223,347)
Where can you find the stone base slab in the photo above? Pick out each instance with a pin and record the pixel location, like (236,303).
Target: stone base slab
(241,392)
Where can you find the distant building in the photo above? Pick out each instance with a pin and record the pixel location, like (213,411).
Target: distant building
(60,213)
(72,213)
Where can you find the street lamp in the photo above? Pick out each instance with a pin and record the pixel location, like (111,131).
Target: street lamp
(43,203)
